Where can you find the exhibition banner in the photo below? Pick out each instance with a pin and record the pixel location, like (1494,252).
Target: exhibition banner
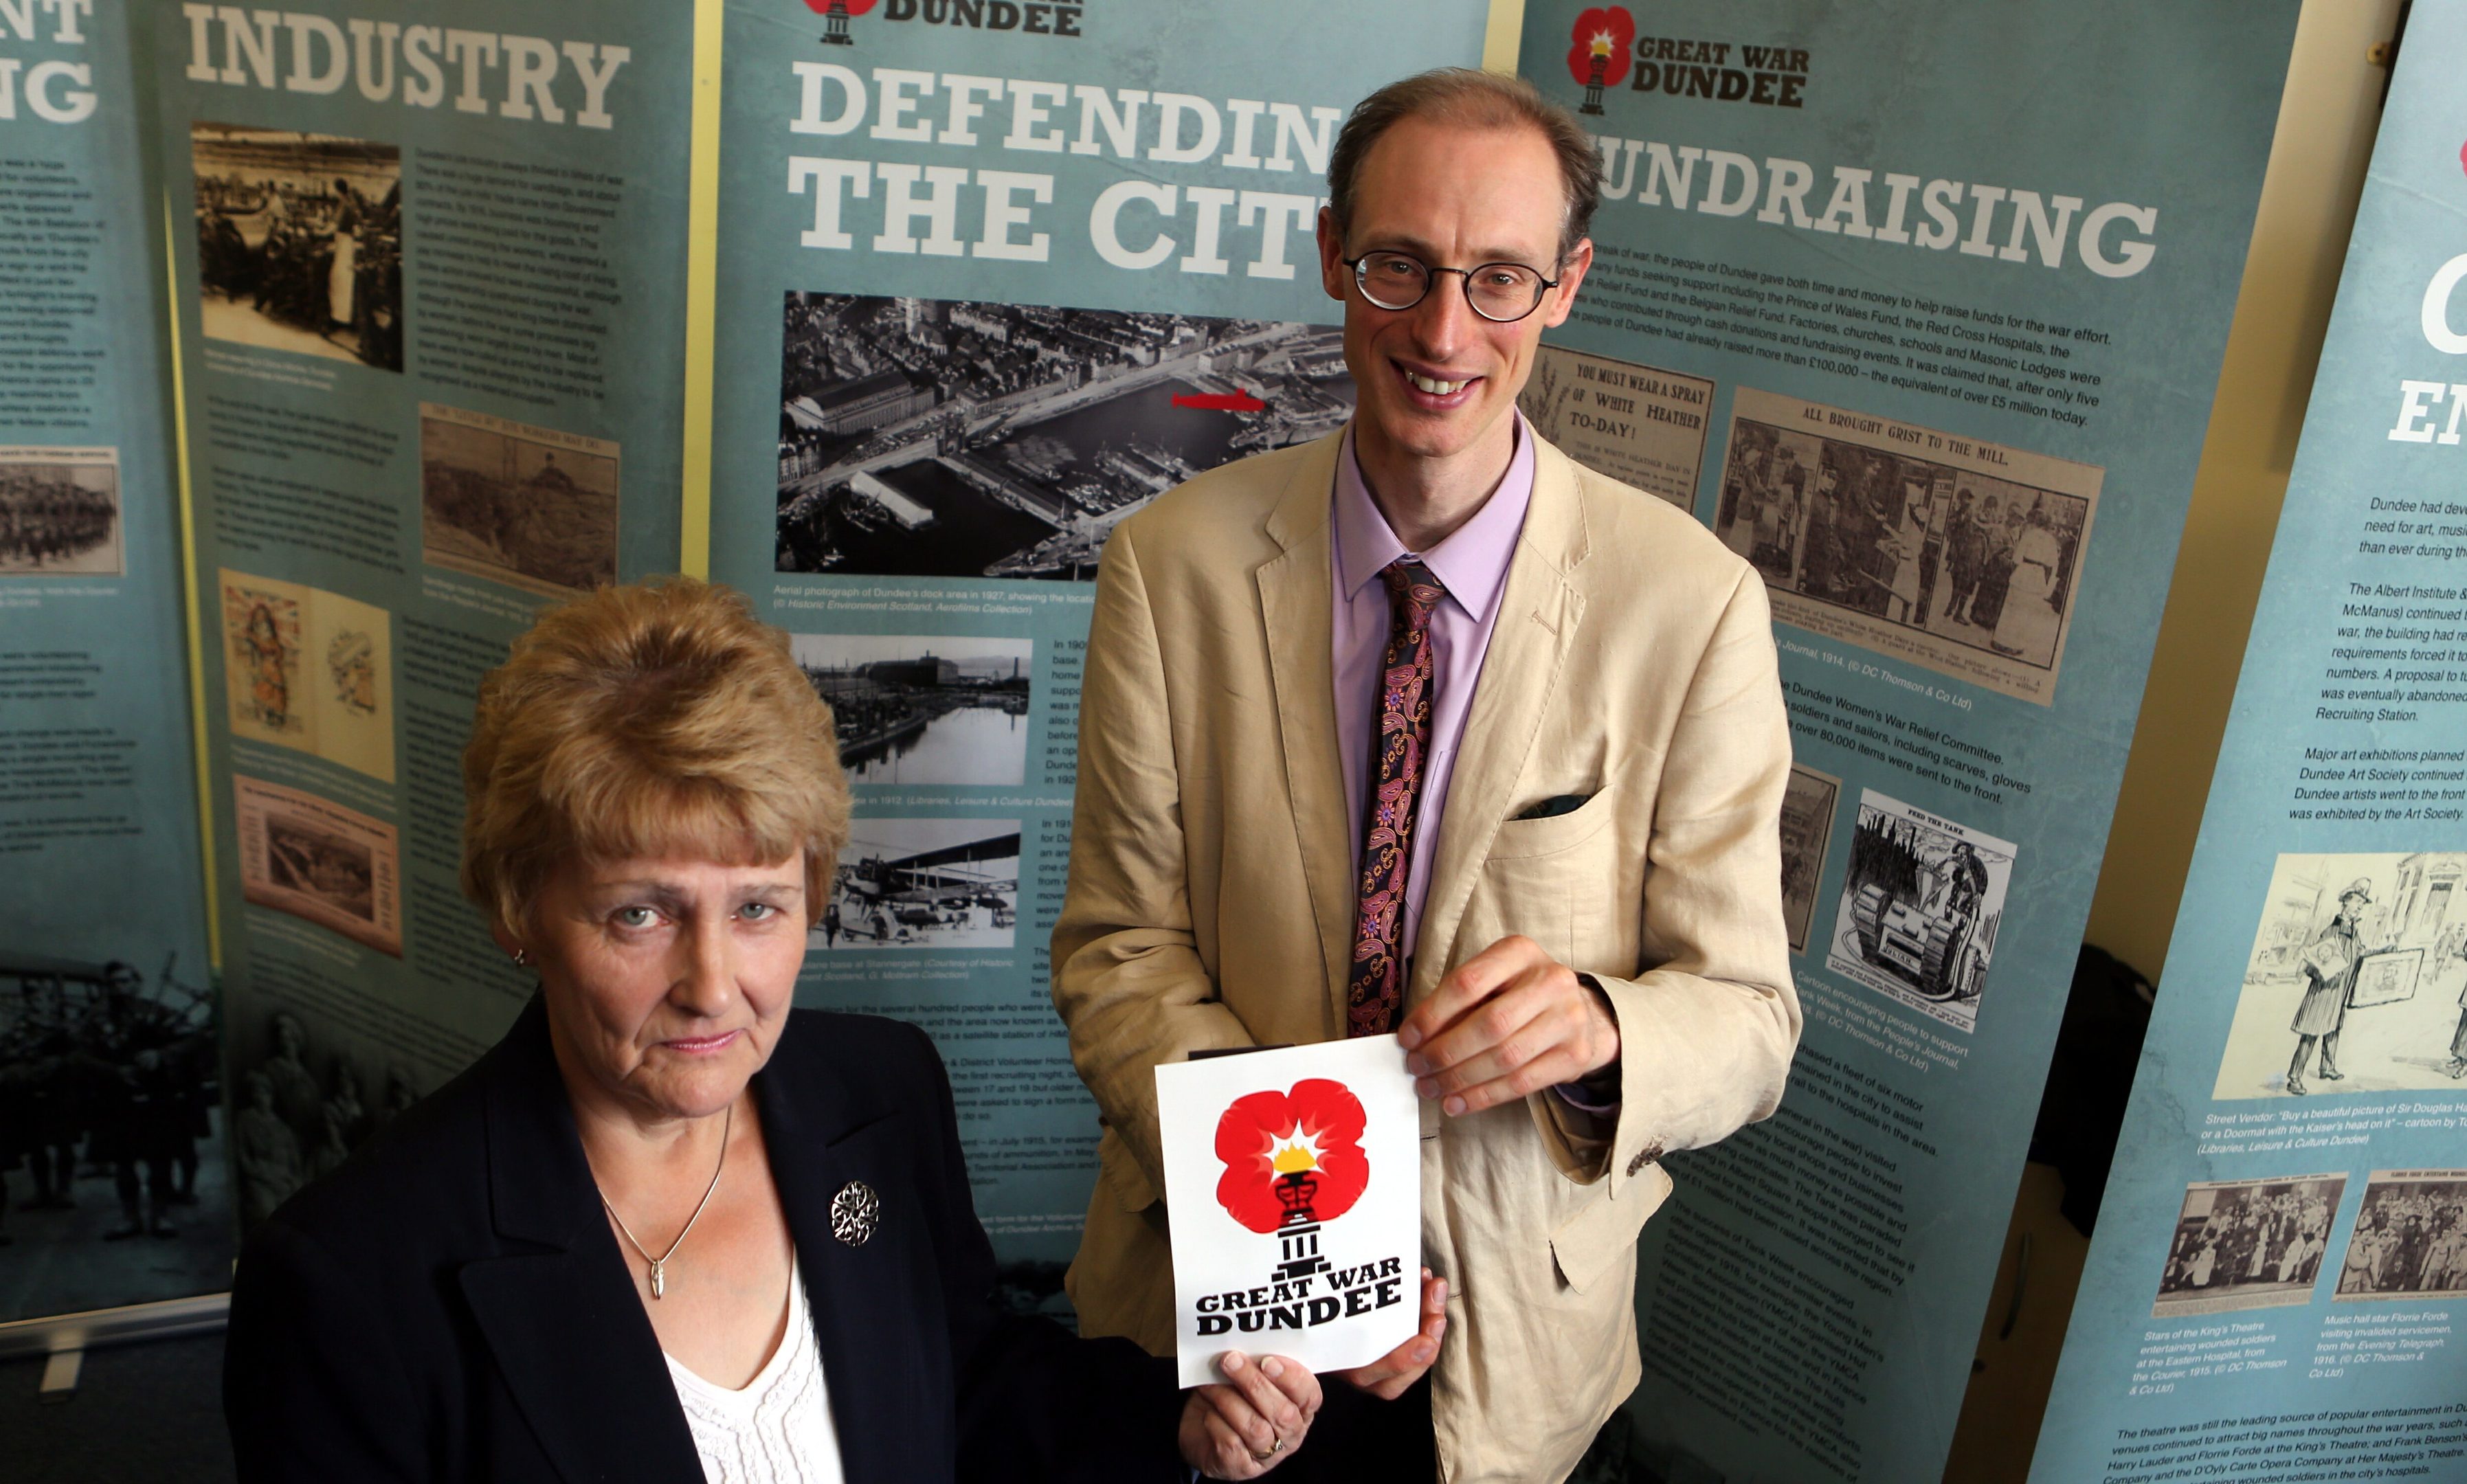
(2281,1258)
(1919,306)
(992,276)
(429,284)
(112,1180)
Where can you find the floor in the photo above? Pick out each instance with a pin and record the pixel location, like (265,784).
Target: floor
(142,1414)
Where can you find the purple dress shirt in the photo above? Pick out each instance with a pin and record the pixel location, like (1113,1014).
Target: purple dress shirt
(1472,565)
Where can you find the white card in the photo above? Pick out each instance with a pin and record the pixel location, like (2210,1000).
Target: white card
(1294,1185)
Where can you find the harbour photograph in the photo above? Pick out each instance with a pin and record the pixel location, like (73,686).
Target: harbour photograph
(911,710)
(948,439)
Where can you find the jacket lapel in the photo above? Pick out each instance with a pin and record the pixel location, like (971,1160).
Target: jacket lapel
(570,1338)
(877,1321)
(1538,615)
(1296,589)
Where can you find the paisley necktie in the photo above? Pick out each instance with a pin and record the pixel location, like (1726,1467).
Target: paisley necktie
(1375,990)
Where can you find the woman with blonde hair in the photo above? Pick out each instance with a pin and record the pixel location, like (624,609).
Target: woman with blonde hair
(669,1227)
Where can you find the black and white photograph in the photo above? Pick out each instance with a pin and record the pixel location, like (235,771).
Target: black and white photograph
(533,507)
(340,873)
(300,1107)
(300,243)
(1807,808)
(914,710)
(947,439)
(59,512)
(1957,555)
(2410,1240)
(2357,981)
(2253,1243)
(1922,900)
(113,1185)
(911,883)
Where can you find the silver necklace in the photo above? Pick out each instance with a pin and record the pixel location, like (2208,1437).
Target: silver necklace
(660,1263)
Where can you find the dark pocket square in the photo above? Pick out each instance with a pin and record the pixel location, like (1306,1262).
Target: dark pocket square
(1552,807)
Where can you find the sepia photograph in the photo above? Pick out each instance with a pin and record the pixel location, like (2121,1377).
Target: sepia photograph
(2357,981)
(300,243)
(112,1182)
(531,507)
(923,884)
(924,710)
(2253,1243)
(1922,900)
(1808,804)
(946,438)
(320,862)
(59,512)
(1639,424)
(1959,555)
(2410,1239)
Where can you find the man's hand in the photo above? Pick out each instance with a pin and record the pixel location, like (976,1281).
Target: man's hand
(1509,1022)
(1392,1374)
(1250,1421)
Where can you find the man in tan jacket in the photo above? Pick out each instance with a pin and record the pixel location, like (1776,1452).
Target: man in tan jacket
(1425,728)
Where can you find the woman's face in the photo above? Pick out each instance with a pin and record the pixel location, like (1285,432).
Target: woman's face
(667,979)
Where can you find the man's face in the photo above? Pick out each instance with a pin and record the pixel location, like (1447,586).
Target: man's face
(1453,197)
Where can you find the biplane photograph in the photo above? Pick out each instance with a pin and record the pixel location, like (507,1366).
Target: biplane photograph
(924,884)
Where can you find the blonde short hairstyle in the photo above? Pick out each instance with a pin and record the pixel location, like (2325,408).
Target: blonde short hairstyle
(658,718)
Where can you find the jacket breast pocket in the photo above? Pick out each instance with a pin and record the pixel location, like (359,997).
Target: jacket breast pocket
(1550,879)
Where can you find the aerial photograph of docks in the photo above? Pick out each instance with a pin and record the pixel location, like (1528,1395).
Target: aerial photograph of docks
(924,710)
(948,439)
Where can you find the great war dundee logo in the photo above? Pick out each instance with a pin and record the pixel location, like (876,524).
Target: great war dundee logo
(835,15)
(1597,52)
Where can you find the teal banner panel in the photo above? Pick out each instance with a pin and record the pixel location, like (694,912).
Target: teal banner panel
(1919,306)
(992,276)
(113,1186)
(2282,1259)
(430,279)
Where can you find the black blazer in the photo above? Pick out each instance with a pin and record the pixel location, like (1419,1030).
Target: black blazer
(450,1304)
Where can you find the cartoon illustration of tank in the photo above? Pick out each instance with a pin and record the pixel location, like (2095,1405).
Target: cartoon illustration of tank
(1928,942)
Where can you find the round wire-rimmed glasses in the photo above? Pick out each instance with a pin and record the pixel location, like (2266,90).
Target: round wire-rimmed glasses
(1500,292)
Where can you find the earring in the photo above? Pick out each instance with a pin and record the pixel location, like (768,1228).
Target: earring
(522,959)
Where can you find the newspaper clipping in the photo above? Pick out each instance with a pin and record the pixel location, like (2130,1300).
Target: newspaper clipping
(2247,1243)
(531,507)
(2356,980)
(1807,805)
(321,861)
(1921,905)
(2411,1237)
(1957,554)
(1639,424)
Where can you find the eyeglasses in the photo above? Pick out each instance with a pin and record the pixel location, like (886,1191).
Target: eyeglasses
(1501,292)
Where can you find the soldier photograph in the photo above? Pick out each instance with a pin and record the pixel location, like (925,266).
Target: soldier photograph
(60,515)
(110,1180)
(2410,1236)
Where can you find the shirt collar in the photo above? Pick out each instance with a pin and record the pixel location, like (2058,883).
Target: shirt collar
(1471,563)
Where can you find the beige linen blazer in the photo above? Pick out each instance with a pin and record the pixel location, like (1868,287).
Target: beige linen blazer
(1211,897)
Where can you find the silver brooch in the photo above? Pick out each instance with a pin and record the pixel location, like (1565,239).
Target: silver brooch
(855,1211)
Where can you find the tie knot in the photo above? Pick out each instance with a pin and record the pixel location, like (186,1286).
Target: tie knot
(1411,591)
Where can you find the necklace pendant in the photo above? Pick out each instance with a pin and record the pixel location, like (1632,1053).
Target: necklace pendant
(659,1279)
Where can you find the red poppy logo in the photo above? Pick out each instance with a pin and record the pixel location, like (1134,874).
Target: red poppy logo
(843,7)
(1603,39)
(1292,1157)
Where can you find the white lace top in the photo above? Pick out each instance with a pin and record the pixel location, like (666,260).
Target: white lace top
(777,1431)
